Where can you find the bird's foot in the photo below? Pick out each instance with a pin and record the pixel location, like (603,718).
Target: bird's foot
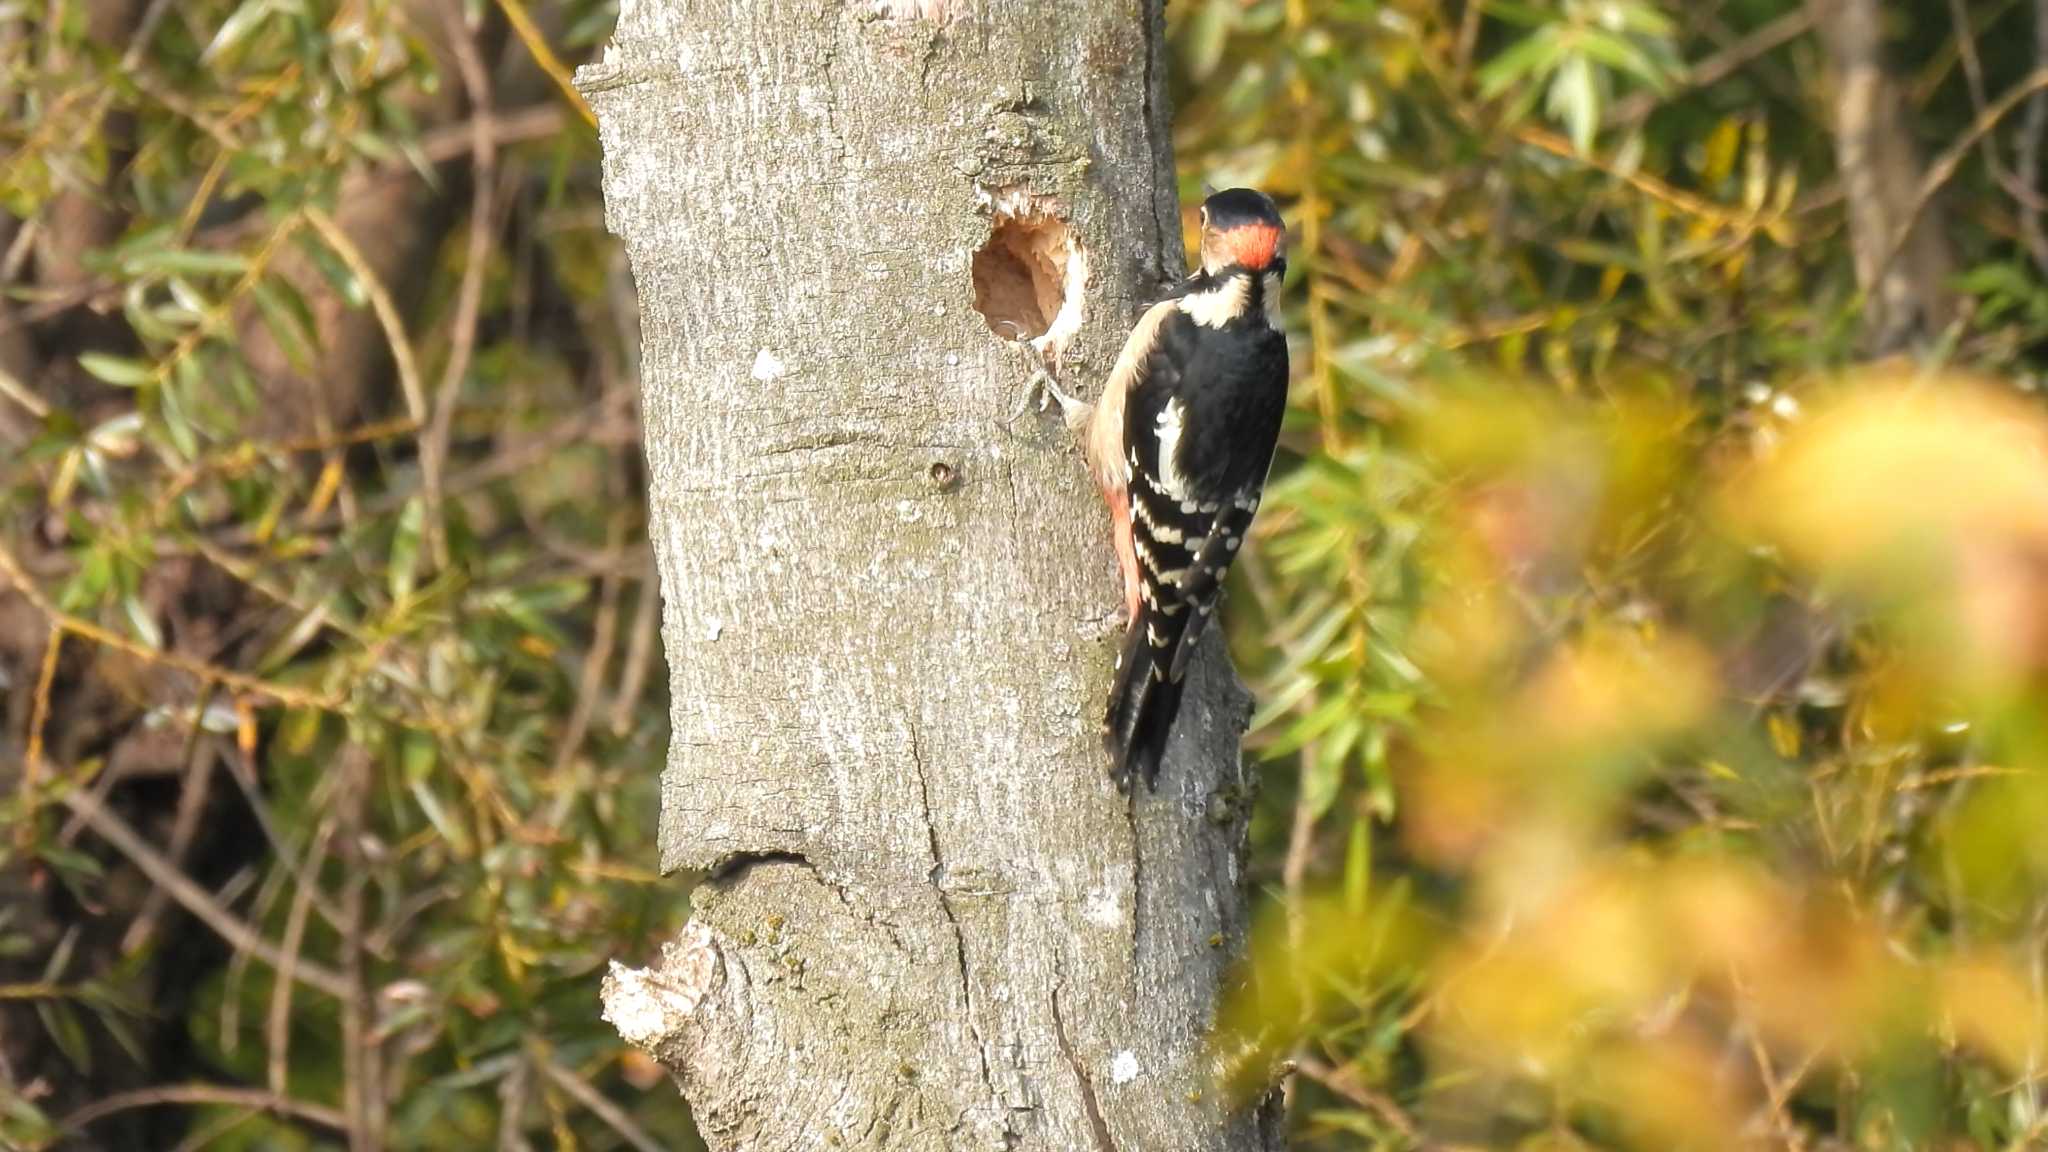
(1043,388)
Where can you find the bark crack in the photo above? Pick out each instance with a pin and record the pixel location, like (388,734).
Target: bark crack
(1165,196)
(1096,1124)
(937,876)
(727,869)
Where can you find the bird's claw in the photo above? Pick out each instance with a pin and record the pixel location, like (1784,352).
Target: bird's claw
(1042,387)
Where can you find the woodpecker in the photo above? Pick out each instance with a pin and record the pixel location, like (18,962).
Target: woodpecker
(1180,442)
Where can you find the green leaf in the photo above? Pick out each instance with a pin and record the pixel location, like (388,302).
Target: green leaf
(402,574)
(120,371)
(284,323)
(171,407)
(144,624)
(1531,56)
(1574,99)
(189,262)
(1323,778)
(1626,56)
(1357,867)
(236,28)
(1322,774)
(61,1020)
(60,958)
(69,861)
(1208,36)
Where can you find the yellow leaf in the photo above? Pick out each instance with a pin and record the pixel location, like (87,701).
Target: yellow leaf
(1724,143)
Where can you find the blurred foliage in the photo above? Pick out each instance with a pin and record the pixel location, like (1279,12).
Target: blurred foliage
(1653,694)
(432,778)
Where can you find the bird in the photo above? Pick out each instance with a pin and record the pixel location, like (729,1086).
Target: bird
(1180,442)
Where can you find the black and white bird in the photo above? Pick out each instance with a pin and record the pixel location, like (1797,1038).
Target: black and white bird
(1180,442)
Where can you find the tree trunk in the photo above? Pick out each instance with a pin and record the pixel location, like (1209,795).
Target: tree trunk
(930,920)
(1901,251)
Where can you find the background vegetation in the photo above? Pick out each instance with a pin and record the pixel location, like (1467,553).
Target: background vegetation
(1649,620)
(1651,684)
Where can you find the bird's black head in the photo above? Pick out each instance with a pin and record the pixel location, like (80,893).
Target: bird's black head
(1241,226)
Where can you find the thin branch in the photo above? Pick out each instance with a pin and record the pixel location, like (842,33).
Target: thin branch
(469,297)
(38,719)
(362,1090)
(198,757)
(536,43)
(590,1098)
(190,895)
(599,423)
(246,454)
(304,873)
(512,1094)
(646,629)
(207,1136)
(279,1026)
(212,1094)
(590,682)
(11,569)
(1664,193)
(1345,1084)
(21,393)
(1712,70)
(1945,166)
(454,141)
(381,304)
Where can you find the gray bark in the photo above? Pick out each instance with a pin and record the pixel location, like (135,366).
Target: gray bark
(1902,256)
(931,921)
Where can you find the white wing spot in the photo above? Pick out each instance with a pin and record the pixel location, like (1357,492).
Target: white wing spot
(768,368)
(1231,542)
(1172,419)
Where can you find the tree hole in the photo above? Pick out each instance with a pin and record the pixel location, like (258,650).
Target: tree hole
(1029,276)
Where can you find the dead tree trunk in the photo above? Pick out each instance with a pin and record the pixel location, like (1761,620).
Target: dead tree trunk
(931,921)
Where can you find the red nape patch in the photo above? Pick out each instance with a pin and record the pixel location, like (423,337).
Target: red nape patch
(1252,245)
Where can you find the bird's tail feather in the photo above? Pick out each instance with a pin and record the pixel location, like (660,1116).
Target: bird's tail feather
(1142,705)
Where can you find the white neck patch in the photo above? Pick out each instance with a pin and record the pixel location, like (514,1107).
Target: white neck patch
(1215,306)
